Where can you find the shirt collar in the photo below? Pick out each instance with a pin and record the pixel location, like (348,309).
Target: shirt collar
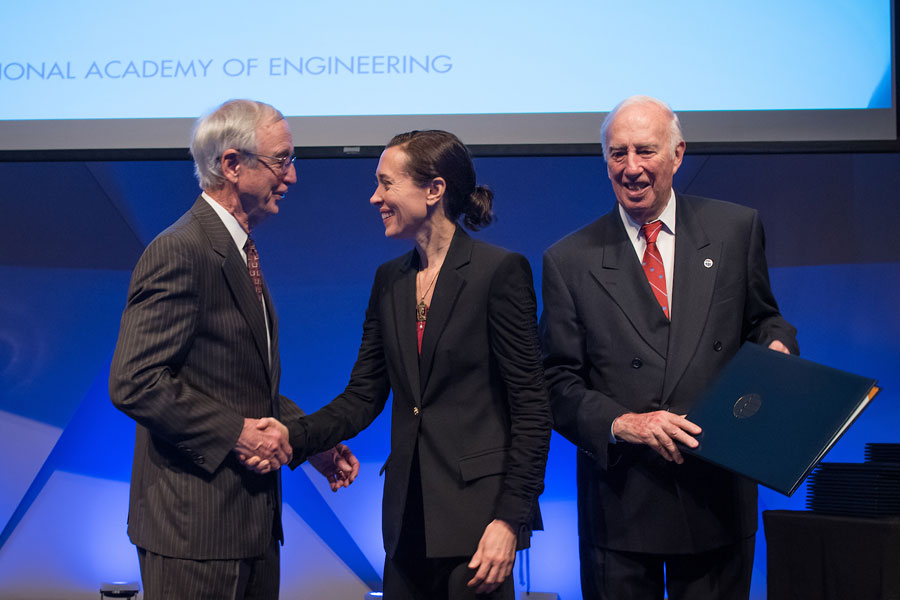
(633,228)
(231,224)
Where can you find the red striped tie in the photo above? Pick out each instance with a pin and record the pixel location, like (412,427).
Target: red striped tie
(653,265)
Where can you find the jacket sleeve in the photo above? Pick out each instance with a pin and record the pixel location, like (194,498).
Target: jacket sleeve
(289,409)
(763,322)
(513,336)
(582,415)
(361,401)
(158,327)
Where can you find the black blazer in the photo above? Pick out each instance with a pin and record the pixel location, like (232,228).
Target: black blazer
(475,402)
(608,349)
(191,362)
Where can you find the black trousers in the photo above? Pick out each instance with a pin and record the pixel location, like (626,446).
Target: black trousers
(720,574)
(411,575)
(167,578)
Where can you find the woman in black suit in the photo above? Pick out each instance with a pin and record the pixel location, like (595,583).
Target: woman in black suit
(451,329)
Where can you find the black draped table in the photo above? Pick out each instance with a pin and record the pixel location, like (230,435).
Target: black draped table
(824,557)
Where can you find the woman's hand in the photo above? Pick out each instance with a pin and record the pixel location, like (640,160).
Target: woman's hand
(494,558)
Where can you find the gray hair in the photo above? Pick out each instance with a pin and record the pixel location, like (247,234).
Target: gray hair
(232,125)
(675,134)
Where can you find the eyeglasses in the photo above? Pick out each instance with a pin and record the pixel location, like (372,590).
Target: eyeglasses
(284,162)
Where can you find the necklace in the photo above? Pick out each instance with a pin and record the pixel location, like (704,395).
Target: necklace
(421,309)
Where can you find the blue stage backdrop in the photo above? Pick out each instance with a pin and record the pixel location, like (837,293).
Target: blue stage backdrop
(73,231)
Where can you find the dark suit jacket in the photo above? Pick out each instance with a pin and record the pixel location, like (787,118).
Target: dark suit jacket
(475,402)
(608,350)
(191,362)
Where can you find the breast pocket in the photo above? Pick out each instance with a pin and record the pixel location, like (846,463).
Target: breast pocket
(730,291)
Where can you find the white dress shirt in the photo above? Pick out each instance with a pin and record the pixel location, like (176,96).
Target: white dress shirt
(240,239)
(665,242)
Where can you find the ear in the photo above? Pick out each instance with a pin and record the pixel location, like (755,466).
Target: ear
(679,155)
(435,191)
(231,164)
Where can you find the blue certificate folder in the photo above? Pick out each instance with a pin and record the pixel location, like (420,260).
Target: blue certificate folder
(772,417)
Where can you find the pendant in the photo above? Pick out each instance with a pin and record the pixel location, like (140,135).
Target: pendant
(421,311)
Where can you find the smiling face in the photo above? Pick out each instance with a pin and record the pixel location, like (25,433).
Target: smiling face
(402,203)
(640,160)
(261,185)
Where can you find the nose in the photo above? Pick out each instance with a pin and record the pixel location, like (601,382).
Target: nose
(290,178)
(375,198)
(632,165)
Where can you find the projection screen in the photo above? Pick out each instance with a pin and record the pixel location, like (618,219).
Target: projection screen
(128,79)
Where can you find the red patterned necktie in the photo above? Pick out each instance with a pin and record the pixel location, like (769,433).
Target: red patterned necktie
(653,265)
(253,267)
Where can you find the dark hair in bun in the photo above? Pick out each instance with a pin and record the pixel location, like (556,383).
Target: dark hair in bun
(434,153)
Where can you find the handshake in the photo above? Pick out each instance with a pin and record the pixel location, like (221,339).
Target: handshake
(264,446)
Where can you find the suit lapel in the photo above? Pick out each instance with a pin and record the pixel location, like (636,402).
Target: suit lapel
(693,284)
(275,357)
(403,293)
(449,284)
(236,275)
(615,266)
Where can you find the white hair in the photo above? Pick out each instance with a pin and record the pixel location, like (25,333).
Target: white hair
(675,134)
(231,125)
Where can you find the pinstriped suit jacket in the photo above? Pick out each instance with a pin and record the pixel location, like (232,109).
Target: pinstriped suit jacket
(190,364)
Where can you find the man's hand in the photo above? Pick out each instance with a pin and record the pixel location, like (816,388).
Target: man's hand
(659,430)
(777,346)
(263,445)
(494,558)
(338,465)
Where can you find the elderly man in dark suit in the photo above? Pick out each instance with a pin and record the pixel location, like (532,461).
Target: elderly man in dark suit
(641,309)
(197,367)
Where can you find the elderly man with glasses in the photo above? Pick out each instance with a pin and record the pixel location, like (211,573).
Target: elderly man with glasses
(197,367)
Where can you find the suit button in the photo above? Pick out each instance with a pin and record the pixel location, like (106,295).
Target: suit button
(200,460)
(416,411)
(636,363)
(717,346)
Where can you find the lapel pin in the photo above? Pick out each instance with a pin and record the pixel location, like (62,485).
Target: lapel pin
(708,263)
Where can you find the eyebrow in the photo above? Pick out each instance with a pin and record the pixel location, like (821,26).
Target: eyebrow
(637,147)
